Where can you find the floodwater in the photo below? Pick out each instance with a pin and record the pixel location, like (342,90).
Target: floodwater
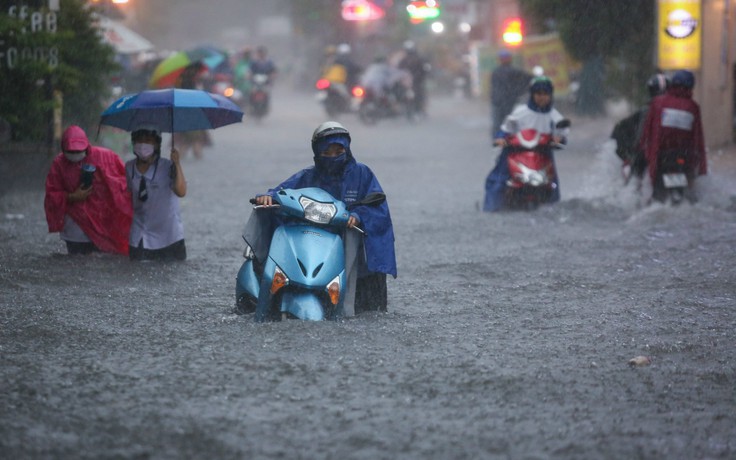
(508,335)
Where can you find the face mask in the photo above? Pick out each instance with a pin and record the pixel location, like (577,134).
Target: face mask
(332,165)
(143,151)
(75,157)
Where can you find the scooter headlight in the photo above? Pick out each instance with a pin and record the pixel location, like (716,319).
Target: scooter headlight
(314,211)
(532,177)
(279,280)
(333,290)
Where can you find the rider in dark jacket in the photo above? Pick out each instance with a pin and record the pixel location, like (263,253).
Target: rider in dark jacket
(262,64)
(628,131)
(507,84)
(336,171)
(419,69)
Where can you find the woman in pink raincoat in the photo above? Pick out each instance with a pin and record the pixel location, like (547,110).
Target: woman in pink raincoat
(94,218)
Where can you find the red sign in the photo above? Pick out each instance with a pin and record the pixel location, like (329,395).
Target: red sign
(361,10)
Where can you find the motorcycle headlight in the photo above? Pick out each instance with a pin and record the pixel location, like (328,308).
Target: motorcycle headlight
(314,211)
(532,177)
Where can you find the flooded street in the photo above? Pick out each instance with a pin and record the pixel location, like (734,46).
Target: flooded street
(508,335)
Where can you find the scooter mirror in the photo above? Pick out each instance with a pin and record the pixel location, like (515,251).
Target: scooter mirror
(564,123)
(372,199)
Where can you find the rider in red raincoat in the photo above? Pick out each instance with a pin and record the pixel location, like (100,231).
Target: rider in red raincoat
(673,124)
(103,212)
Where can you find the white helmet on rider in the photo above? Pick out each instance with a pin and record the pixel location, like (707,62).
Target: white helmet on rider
(329,129)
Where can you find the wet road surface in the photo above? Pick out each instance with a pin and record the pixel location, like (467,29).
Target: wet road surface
(507,336)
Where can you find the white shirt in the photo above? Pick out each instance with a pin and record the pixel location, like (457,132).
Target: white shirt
(525,118)
(73,232)
(156,221)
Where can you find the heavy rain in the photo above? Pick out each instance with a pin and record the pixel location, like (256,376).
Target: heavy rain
(508,335)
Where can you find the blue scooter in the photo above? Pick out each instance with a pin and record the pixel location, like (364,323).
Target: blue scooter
(304,274)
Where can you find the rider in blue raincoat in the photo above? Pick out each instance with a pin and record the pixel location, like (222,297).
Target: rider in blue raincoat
(336,171)
(538,114)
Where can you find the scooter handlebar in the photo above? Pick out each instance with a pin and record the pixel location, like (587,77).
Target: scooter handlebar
(276,205)
(262,206)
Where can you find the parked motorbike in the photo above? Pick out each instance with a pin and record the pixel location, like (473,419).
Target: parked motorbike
(397,102)
(531,169)
(337,98)
(260,97)
(304,274)
(671,181)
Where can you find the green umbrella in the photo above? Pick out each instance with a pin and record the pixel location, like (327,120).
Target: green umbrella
(167,72)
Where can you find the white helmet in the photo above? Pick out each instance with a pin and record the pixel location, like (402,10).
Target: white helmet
(343,48)
(328,128)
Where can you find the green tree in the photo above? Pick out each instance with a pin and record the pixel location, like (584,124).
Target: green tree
(71,59)
(613,39)
(318,17)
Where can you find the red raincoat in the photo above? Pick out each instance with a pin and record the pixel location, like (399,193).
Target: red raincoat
(106,215)
(661,133)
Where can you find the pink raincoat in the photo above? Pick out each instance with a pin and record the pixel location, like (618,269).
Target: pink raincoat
(106,215)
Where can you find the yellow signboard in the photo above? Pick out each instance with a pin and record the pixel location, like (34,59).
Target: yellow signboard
(680,30)
(548,52)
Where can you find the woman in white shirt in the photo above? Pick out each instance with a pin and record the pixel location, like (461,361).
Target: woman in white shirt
(156,184)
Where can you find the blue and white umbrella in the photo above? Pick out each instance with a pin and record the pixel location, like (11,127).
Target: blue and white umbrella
(172,110)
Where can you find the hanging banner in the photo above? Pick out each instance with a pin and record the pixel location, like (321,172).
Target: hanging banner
(123,39)
(680,30)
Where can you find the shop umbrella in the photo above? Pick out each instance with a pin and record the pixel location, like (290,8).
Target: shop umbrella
(167,72)
(172,110)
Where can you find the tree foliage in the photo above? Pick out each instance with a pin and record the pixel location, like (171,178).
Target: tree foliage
(76,64)
(613,37)
(317,17)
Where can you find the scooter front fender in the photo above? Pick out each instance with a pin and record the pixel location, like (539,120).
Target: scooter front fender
(310,258)
(303,305)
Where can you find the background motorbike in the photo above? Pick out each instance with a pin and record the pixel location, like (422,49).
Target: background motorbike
(395,102)
(531,169)
(224,87)
(260,98)
(304,274)
(671,182)
(338,98)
